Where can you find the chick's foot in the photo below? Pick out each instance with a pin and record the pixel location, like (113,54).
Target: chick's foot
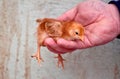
(38,57)
(60,61)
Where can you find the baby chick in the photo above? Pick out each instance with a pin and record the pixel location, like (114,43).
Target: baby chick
(56,29)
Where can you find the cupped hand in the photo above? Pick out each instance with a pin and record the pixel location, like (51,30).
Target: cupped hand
(101,23)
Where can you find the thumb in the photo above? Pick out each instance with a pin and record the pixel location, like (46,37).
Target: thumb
(69,15)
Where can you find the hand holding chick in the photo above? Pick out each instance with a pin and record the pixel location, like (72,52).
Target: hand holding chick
(102,25)
(56,29)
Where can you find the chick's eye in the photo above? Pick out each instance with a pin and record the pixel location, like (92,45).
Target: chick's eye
(76,33)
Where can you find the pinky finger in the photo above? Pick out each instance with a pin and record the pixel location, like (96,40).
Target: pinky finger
(55,51)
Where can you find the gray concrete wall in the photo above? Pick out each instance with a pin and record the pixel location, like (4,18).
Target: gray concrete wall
(18,43)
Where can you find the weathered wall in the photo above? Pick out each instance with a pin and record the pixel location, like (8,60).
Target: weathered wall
(18,43)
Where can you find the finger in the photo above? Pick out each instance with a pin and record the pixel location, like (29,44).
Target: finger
(55,51)
(69,15)
(59,52)
(67,44)
(54,47)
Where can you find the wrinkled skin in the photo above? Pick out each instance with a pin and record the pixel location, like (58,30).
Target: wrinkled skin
(101,22)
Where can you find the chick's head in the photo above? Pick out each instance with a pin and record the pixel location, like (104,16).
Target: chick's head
(76,31)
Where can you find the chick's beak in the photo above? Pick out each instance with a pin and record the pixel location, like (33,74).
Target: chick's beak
(81,38)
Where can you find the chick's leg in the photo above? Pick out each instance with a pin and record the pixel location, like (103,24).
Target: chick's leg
(37,55)
(60,60)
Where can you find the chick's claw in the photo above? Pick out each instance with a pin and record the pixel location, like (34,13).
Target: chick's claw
(60,61)
(38,58)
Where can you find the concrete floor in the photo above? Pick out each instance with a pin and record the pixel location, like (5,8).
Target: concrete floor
(18,43)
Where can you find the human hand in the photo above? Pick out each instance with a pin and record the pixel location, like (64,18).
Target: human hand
(101,23)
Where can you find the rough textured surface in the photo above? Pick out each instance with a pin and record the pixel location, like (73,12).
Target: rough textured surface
(18,43)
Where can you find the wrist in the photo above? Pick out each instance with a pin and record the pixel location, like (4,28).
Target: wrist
(116,4)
